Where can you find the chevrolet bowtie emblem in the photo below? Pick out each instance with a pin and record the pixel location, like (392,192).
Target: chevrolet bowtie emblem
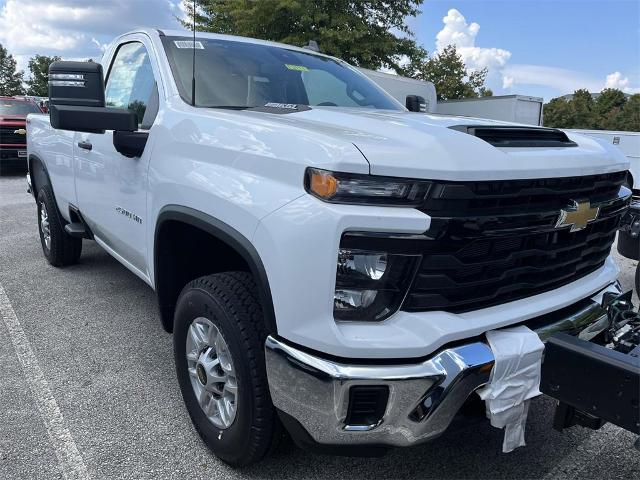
(20,131)
(577,216)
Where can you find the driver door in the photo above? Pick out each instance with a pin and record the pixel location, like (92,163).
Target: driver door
(111,188)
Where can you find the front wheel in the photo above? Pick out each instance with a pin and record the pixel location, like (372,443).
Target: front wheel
(59,248)
(219,339)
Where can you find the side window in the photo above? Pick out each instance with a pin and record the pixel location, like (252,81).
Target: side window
(131,83)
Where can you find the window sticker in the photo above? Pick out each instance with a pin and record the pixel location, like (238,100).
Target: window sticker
(188,44)
(297,68)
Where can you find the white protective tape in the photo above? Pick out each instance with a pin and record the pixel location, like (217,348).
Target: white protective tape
(514,379)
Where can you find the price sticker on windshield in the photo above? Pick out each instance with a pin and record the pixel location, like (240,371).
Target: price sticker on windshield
(188,44)
(297,68)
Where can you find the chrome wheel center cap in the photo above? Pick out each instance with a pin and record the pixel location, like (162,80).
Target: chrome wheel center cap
(202,375)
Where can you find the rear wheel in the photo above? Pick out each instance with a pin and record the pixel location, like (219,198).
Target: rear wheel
(59,248)
(219,339)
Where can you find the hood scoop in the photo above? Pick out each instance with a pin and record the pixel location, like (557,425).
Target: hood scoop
(500,136)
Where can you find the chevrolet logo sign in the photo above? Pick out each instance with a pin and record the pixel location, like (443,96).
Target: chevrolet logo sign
(20,131)
(577,216)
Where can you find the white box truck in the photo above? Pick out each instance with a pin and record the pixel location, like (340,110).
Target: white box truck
(402,87)
(508,108)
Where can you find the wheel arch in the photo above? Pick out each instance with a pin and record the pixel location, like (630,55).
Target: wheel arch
(221,232)
(37,173)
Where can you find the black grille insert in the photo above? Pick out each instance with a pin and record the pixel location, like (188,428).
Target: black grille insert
(7,136)
(469,274)
(496,241)
(501,198)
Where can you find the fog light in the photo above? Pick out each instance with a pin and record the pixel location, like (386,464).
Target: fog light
(349,299)
(368,264)
(370,285)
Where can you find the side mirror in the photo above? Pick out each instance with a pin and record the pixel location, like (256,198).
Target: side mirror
(76,100)
(416,103)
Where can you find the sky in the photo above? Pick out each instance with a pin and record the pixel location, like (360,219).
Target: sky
(543,48)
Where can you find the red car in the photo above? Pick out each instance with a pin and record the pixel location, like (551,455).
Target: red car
(13,133)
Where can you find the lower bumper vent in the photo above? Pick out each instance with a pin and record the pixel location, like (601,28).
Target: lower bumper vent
(367,405)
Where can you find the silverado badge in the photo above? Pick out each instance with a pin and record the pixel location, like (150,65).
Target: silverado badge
(578,215)
(20,131)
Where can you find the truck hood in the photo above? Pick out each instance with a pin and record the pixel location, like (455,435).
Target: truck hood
(418,145)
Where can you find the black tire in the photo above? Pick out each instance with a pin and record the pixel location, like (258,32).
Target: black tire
(229,301)
(628,246)
(63,249)
(638,279)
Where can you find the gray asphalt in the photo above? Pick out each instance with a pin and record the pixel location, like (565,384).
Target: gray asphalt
(95,332)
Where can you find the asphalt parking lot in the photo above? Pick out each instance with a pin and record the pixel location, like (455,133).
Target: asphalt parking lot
(87,389)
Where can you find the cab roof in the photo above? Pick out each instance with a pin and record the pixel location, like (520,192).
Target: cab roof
(155,32)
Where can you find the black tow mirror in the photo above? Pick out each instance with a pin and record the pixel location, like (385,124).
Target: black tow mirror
(416,103)
(130,144)
(77,103)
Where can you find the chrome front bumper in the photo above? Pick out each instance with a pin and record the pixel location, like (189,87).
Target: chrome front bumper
(423,397)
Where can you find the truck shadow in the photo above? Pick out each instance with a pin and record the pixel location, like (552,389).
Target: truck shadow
(9,172)
(470,453)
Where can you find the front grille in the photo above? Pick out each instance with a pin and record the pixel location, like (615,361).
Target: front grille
(7,137)
(495,242)
(516,197)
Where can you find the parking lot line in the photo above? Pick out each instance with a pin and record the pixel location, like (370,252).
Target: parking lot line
(69,458)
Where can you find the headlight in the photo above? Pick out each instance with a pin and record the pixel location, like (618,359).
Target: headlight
(337,187)
(371,285)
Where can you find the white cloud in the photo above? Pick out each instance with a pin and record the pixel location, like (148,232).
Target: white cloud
(560,79)
(101,46)
(458,32)
(507,81)
(25,25)
(77,28)
(615,80)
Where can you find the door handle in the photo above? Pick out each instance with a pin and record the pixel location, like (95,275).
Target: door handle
(85,145)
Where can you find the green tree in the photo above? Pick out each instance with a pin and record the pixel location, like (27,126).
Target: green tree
(10,78)
(610,111)
(367,33)
(630,116)
(38,82)
(608,108)
(582,109)
(557,113)
(448,72)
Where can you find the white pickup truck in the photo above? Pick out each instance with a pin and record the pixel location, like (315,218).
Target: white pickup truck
(327,260)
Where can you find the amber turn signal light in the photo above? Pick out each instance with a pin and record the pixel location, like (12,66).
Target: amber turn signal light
(323,184)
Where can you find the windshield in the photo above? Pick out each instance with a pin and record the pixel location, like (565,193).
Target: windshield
(240,74)
(16,107)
